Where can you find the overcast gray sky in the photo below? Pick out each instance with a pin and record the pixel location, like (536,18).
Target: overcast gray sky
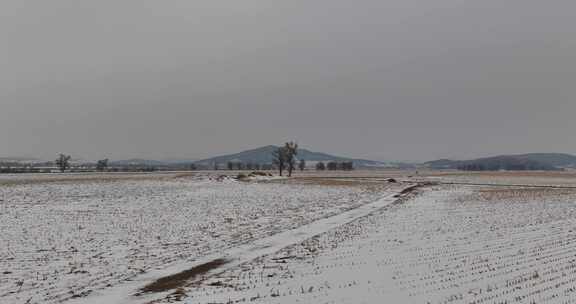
(381,79)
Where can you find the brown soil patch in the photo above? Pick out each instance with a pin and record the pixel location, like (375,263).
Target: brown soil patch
(335,181)
(180,279)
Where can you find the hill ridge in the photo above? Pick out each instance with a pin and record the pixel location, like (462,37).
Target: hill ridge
(263,155)
(526,161)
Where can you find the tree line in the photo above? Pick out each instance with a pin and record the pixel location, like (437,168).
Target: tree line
(506,165)
(284,159)
(248,166)
(335,166)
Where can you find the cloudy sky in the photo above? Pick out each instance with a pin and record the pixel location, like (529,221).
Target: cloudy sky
(381,79)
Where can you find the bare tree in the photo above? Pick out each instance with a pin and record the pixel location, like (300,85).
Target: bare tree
(349,166)
(302,165)
(332,166)
(63,162)
(279,159)
(291,152)
(102,165)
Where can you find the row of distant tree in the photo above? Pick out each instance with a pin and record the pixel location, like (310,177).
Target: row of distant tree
(333,166)
(248,166)
(506,163)
(63,163)
(284,160)
(320,166)
(528,166)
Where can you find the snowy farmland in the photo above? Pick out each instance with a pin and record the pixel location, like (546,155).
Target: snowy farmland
(447,245)
(197,239)
(65,240)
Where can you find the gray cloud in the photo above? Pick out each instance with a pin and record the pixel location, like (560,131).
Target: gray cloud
(388,79)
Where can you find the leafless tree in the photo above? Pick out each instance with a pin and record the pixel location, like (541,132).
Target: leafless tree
(332,166)
(102,165)
(291,152)
(349,166)
(279,159)
(63,162)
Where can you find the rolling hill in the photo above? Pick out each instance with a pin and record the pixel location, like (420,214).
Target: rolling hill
(530,161)
(263,155)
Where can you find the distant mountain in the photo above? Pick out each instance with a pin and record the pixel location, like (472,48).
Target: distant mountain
(560,160)
(443,164)
(530,161)
(263,155)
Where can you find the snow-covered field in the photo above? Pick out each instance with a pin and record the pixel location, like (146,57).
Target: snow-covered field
(448,245)
(540,178)
(195,239)
(63,240)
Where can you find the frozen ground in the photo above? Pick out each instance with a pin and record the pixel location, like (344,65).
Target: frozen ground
(540,178)
(307,240)
(66,240)
(448,245)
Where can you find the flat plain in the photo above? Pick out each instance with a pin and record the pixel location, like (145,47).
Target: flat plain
(501,237)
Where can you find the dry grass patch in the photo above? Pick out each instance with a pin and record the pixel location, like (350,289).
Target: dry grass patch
(335,181)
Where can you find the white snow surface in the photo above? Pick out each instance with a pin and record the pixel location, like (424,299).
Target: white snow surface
(72,240)
(449,245)
(96,242)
